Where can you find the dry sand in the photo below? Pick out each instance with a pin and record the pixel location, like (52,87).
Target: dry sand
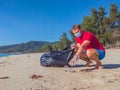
(24,72)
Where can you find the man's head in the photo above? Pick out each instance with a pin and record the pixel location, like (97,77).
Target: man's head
(76,30)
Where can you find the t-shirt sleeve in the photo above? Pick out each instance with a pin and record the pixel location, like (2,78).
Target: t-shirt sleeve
(77,39)
(88,36)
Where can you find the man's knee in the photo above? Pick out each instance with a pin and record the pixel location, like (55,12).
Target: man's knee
(92,53)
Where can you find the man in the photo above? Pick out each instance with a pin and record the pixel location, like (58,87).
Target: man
(87,47)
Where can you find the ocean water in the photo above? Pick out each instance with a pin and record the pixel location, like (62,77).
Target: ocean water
(5,54)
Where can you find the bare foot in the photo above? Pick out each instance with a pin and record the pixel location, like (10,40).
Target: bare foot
(99,67)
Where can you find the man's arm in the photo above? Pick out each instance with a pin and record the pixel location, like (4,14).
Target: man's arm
(78,52)
(82,47)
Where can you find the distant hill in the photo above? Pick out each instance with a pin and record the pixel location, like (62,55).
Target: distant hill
(24,47)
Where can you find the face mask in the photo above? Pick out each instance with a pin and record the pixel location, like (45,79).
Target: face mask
(77,34)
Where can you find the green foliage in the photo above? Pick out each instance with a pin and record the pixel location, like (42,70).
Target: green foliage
(64,41)
(61,44)
(46,48)
(95,22)
(113,14)
(55,47)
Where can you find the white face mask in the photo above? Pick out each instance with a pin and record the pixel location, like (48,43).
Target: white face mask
(78,34)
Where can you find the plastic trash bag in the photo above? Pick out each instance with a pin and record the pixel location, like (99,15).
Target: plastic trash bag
(56,58)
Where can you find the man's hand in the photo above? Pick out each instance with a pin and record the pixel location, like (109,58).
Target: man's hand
(74,46)
(73,61)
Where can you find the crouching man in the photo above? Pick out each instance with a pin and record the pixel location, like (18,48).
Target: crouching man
(87,47)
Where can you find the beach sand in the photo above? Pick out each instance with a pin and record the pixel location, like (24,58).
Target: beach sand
(24,72)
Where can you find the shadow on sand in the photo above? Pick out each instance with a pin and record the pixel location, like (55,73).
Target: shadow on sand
(111,66)
(105,66)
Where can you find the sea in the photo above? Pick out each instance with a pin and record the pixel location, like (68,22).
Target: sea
(5,54)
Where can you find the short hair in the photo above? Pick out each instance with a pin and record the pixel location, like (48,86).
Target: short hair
(76,26)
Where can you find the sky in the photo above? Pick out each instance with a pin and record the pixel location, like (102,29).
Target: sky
(43,20)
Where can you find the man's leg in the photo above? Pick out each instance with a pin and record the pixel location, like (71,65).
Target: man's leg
(86,59)
(94,55)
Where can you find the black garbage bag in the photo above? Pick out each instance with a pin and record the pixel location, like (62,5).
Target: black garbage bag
(56,58)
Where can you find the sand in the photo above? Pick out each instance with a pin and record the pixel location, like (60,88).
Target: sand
(24,72)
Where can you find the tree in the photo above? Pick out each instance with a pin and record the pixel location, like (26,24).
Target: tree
(87,24)
(55,47)
(101,19)
(113,14)
(96,22)
(46,48)
(64,41)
